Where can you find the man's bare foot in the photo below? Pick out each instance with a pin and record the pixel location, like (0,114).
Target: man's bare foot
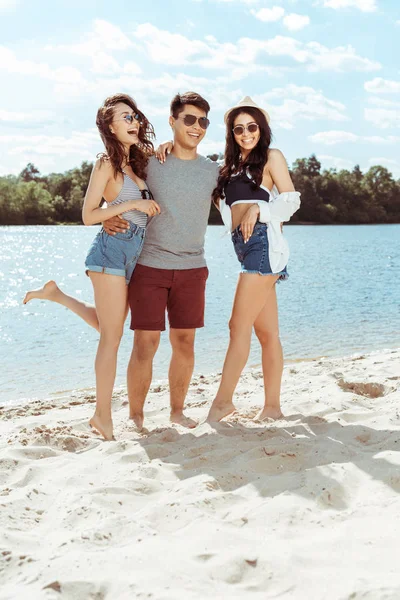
(138,419)
(269,413)
(219,412)
(181,419)
(47,292)
(105,428)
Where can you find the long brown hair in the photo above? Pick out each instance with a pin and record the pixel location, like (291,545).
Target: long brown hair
(138,153)
(256,160)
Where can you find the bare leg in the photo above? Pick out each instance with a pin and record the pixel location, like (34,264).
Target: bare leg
(266,328)
(140,372)
(251,294)
(110,293)
(180,373)
(51,291)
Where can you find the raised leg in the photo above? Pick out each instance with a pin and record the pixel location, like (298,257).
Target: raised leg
(266,328)
(251,294)
(180,373)
(110,293)
(50,291)
(140,372)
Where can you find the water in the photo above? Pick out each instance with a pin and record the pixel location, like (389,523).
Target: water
(342,297)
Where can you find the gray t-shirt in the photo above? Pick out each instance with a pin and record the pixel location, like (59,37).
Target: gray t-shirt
(175,238)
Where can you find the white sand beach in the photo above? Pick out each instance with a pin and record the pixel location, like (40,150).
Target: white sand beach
(306,508)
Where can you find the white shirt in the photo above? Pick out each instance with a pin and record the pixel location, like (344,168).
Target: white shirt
(278,210)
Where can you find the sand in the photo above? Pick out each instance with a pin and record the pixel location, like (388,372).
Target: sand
(307,507)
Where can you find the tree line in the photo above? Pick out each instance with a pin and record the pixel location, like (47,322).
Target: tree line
(328,196)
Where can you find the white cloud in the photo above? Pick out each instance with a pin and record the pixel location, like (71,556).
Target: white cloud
(176,49)
(268,15)
(95,44)
(7,5)
(300,103)
(26,120)
(330,138)
(383,102)
(295,22)
(83,145)
(383,117)
(363,5)
(335,162)
(10,63)
(382,86)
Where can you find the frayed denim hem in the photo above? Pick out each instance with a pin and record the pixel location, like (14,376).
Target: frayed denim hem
(282,275)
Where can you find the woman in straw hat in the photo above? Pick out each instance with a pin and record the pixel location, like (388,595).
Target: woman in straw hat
(255,195)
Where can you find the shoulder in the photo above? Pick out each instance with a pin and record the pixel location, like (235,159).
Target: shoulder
(275,156)
(276,161)
(103,167)
(210,166)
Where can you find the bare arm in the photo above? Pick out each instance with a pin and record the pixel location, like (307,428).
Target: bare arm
(278,170)
(91,213)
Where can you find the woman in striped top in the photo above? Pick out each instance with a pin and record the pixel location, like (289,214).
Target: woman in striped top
(118,177)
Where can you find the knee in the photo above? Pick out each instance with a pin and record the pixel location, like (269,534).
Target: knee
(111,339)
(267,338)
(145,347)
(238,329)
(183,343)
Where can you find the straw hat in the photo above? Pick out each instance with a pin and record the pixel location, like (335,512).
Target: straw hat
(245,102)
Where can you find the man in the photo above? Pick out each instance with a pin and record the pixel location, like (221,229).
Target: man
(171,272)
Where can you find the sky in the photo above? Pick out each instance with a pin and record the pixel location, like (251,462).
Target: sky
(327,71)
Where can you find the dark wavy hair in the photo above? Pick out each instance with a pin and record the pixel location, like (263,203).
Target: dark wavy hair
(139,153)
(256,160)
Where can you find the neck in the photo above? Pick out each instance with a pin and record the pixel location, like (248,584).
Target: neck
(184,153)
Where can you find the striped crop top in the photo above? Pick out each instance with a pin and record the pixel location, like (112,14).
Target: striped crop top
(131,191)
(242,189)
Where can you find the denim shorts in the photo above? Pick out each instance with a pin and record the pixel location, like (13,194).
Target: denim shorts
(253,256)
(116,254)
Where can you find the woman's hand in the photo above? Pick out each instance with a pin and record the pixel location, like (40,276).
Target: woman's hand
(248,222)
(163,150)
(150,207)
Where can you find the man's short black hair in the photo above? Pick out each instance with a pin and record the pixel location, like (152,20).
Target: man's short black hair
(180,100)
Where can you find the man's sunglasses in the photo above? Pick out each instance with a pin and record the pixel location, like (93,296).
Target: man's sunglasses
(240,129)
(191,120)
(129,118)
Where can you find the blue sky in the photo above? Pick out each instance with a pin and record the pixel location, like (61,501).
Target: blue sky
(327,71)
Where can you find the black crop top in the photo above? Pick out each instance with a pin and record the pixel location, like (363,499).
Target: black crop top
(241,187)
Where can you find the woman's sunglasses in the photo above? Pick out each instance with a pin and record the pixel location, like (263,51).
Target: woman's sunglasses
(191,120)
(129,118)
(240,129)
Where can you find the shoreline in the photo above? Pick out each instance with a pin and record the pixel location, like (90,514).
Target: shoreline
(163,381)
(297,508)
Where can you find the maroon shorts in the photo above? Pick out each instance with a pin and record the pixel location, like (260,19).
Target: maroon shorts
(181,292)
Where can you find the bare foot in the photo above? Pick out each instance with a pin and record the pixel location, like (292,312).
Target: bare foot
(181,419)
(269,413)
(138,419)
(220,411)
(105,428)
(47,292)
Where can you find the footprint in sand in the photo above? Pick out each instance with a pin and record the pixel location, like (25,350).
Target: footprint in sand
(370,390)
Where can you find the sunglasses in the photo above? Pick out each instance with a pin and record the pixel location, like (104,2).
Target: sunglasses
(240,129)
(191,120)
(129,118)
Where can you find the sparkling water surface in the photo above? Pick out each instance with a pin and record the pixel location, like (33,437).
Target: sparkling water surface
(342,297)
